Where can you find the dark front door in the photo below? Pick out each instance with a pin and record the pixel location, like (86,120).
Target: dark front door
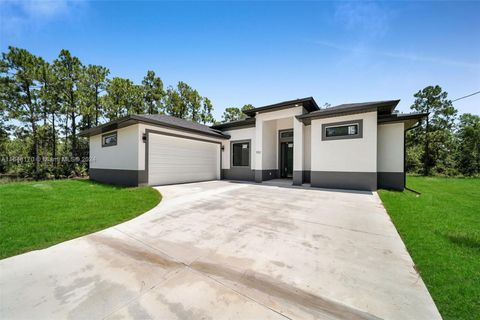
(286,159)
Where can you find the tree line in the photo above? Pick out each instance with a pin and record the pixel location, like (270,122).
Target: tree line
(445,143)
(44,105)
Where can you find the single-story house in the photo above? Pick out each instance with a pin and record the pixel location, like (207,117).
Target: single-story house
(350,146)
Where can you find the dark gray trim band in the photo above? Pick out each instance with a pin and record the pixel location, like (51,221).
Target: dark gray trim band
(147,144)
(130,178)
(306,176)
(238,173)
(391,180)
(269,174)
(344,180)
(258,175)
(301,177)
(339,124)
(297,177)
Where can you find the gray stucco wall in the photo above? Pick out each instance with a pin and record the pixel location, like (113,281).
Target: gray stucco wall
(344,180)
(238,173)
(131,178)
(391,180)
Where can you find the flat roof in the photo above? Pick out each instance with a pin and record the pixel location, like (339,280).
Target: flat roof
(155,119)
(382,107)
(308,103)
(248,122)
(409,118)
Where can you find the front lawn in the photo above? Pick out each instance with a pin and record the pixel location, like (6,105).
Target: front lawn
(36,215)
(441,229)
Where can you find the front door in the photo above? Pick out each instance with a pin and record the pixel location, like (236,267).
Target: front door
(286,160)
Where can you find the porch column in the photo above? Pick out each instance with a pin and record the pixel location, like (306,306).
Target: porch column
(258,150)
(298,152)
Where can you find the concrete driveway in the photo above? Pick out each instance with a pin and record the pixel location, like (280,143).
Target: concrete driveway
(225,250)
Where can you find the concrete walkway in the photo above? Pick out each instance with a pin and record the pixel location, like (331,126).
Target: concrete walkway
(225,250)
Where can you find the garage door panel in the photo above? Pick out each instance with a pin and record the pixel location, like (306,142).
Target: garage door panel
(179,160)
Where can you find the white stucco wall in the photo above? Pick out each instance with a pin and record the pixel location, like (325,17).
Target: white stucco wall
(279,114)
(122,156)
(269,143)
(347,155)
(390,147)
(307,146)
(285,123)
(235,135)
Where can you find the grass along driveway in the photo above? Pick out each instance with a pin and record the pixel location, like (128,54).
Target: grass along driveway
(441,229)
(36,215)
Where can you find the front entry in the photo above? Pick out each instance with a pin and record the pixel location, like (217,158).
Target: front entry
(286,160)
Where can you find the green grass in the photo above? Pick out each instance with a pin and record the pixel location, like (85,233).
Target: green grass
(36,215)
(441,229)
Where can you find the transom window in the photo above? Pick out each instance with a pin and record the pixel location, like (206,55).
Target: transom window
(338,131)
(109,139)
(352,129)
(241,154)
(286,134)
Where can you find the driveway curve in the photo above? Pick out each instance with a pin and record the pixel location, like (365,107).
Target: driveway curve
(227,250)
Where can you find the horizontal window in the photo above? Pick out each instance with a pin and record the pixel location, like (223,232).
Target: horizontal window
(109,139)
(286,134)
(347,130)
(352,129)
(241,154)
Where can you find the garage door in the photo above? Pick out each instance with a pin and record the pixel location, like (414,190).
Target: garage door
(178,160)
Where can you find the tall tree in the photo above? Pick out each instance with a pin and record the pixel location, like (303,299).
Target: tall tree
(233,113)
(191,102)
(20,92)
(50,104)
(69,71)
(468,152)
(438,125)
(153,93)
(135,99)
(93,85)
(206,113)
(123,98)
(115,100)
(174,104)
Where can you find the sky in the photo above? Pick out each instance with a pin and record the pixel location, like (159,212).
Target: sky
(260,53)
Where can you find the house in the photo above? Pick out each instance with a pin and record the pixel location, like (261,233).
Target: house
(349,146)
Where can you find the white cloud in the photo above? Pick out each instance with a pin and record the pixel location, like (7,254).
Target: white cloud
(398,55)
(17,15)
(365,19)
(47,8)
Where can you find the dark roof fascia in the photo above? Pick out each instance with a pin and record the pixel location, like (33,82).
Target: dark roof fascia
(238,124)
(109,126)
(308,103)
(402,117)
(344,111)
(134,119)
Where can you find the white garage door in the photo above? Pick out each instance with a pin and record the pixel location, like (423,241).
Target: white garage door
(178,160)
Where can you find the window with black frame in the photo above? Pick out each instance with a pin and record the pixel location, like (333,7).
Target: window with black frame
(241,154)
(109,139)
(345,130)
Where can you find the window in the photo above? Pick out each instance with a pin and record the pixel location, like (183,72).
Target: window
(352,129)
(109,139)
(241,154)
(347,130)
(286,134)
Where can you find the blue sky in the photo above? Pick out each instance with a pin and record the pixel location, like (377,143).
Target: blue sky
(265,52)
